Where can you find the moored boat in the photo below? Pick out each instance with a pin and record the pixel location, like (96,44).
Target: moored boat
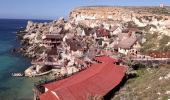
(18,74)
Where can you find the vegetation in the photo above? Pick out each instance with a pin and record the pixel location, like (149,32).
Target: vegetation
(165,39)
(90,97)
(154,43)
(149,18)
(151,42)
(39,37)
(159,18)
(163,43)
(158,10)
(130,24)
(151,25)
(148,86)
(140,20)
(39,50)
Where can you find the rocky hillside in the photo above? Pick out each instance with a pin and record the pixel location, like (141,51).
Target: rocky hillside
(142,16)
(31,37)
(153,21)
(151,84)
(92,16)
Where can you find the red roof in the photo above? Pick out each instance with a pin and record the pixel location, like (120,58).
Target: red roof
(98,80)
(102,32)
(106,59)
(87,73)
(48,96)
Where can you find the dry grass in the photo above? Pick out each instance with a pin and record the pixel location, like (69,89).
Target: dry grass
(147,86)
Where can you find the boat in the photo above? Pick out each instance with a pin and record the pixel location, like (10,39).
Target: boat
(17,74)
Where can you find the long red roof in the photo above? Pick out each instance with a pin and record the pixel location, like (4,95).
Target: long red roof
(48,96)
(98,80)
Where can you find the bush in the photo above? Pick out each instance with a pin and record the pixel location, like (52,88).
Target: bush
(159,18)
(131,24)
(165,39)
(150,42)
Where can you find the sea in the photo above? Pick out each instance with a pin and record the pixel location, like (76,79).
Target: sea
(13,88)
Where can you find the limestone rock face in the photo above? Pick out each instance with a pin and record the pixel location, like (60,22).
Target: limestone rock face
(29,25)
(108,16)
(32,36)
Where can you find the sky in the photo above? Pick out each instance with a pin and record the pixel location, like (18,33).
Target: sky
(52,9)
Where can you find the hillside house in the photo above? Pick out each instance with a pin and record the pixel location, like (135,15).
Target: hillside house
(115,30)
(128,44)
(50,55)
(51,40)
(101,32)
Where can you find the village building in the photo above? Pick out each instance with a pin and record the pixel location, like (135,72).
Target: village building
(106,76)
(82,57)
(129,43)
(49,57)
(52,40)
(115,30)
(102,32)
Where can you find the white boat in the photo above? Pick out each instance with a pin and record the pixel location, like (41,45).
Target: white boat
(17,74)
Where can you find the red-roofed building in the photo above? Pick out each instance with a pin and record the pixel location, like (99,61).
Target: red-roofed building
(97,80)
(128,43)
(49,96)
(101,32)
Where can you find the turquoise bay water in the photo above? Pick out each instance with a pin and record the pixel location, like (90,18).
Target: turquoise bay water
(13,88)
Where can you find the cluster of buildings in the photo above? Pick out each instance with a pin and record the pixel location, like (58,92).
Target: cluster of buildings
(70,51)
(94,82)
(93,52)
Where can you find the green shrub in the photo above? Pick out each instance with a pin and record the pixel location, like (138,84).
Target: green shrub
(131,24)
(165,39)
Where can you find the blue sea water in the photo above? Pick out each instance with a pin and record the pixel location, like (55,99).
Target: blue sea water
(13,88)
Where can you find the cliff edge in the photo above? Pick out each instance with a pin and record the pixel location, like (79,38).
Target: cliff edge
(142,16)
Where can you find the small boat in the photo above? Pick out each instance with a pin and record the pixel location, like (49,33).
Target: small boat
(17,74)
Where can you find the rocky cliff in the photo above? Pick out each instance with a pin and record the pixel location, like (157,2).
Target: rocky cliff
(32,36)
(153,21)
(156,17)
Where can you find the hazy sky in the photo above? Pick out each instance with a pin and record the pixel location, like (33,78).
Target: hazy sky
(51,9)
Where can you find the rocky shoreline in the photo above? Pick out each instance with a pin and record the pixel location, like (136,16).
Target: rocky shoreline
(23,43)
(31,36)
